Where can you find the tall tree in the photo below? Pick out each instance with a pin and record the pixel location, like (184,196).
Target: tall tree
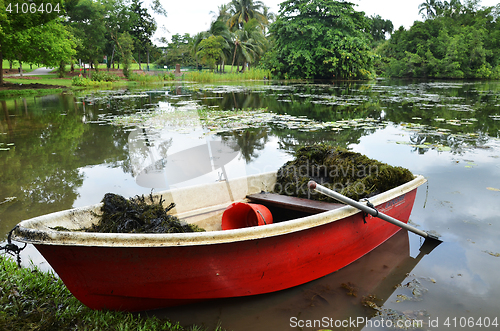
(244,10)
(270,17)
(179,50)
(132,17)
(49,44)
(210,50)
(86,19)
(126,44)
(223,14)
(143,27)
(217,28)
(117,21)
(435,8)
(320,39)
(428,8)
(380,27)
(13,19)
(452,8)
(461,45)
(249,41)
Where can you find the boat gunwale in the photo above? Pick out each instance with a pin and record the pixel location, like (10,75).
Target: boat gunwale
(34,232)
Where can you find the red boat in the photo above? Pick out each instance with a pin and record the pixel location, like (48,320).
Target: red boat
(134,272)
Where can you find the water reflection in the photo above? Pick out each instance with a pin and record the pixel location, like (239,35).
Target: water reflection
(154,167)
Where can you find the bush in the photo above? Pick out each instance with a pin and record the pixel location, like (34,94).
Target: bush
(144,78)
(209,76)
(169,76)
(82,81)
(103,76)
(87,82)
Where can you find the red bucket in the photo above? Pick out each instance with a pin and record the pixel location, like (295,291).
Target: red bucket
(241,215)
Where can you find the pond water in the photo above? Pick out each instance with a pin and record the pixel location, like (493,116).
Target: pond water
(68,150)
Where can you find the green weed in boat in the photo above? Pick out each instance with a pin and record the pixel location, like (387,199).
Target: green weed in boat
(135,215)
(351,174)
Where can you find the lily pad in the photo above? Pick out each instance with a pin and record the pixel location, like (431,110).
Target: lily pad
(8,199)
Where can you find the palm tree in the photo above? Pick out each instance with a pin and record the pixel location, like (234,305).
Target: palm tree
(196,43)
(244,10)
(270,17)
(249,41)
(452,8)
(217,28)
(429,7)
(223,13)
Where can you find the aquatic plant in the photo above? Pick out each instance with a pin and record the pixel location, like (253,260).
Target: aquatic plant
(135,215)
(351,174)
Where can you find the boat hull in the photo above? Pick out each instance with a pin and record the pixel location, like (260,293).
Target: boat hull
(142,278)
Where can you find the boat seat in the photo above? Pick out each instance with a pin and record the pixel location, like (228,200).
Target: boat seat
(293,203)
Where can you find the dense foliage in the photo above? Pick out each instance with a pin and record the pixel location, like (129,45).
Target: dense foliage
(309,39)
(84,30)
(210,50)
(459,41)
(351,174)
(138,215)
(33,34)
(179,50)
(241,26)
(320,39)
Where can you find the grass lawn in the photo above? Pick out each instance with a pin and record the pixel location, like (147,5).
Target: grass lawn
(26,67)
(42,79)
(37,84)
(103,66)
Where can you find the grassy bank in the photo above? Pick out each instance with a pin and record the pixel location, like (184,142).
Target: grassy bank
(210,76)
(34,300)
(105,79)
(51,79)
(26,67)
(30,91)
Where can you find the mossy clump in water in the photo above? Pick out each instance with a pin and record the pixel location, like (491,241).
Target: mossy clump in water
(351,174)
(135,215)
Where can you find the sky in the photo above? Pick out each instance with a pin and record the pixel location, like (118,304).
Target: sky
(193,16)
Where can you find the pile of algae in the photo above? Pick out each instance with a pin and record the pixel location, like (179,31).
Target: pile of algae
(351,174)
(135,215)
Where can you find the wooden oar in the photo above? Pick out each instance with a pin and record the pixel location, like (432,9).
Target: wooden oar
(372,211)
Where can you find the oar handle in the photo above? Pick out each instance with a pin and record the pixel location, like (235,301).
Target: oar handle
(372,211)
